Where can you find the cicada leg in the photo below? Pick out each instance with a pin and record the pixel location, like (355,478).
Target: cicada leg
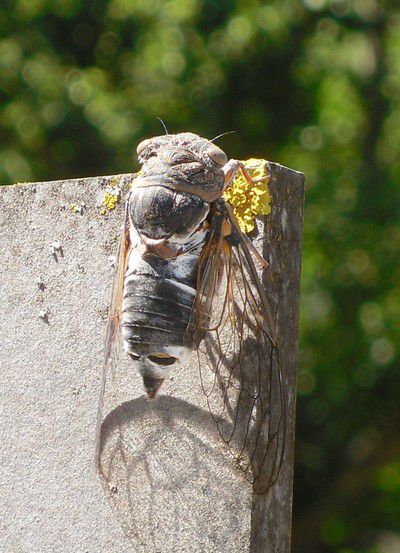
(232,167)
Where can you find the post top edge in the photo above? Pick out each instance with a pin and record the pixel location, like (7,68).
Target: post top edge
(5,187)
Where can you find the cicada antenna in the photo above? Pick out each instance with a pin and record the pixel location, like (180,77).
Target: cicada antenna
(223,134)
(164,125)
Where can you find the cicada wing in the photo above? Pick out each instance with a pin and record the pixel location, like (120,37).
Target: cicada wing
(239,359)
(210,273)
(112,345)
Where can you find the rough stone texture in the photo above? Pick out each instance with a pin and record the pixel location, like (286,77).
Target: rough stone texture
(178,490)
(281,245)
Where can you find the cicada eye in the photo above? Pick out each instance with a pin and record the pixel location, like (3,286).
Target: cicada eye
(217,155)
(142,146)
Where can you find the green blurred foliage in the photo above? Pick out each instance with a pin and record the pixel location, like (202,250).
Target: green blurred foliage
(314,85)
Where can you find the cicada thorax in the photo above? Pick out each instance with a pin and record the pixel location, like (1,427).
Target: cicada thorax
(168,209)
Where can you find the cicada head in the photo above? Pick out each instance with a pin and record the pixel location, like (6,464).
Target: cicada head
(187,157)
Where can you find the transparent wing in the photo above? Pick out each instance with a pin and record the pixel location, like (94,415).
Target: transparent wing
(112,341)
(238,353)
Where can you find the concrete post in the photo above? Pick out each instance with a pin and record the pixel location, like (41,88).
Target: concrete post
(177,489)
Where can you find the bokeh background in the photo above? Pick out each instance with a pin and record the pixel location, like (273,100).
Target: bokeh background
(312,84)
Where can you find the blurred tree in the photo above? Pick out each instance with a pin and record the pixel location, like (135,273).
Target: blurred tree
(312,84)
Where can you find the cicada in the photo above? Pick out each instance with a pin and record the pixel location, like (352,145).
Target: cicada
(188,280)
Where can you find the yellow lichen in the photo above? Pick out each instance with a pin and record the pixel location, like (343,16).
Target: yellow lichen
(75,208)
(110,200)
(111,197)
(250,198)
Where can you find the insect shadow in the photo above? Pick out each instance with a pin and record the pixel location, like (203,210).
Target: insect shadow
(166,475)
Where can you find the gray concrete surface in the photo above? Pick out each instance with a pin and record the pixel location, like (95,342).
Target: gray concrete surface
(177,490)
(50,496)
